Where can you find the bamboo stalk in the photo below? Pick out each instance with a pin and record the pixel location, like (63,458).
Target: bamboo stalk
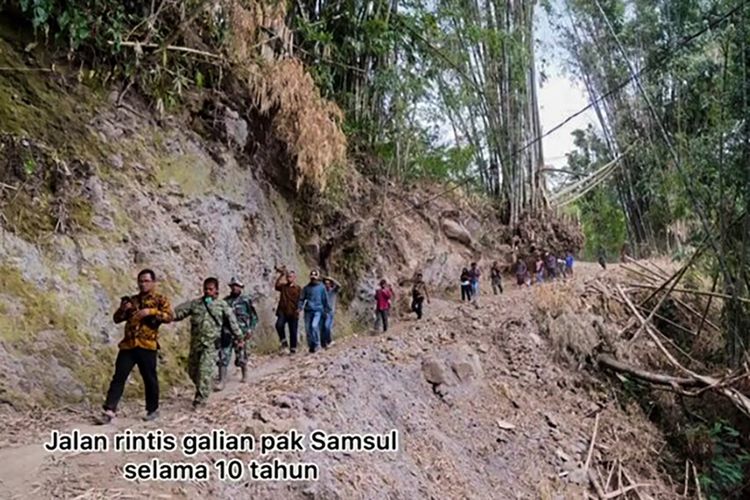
(740,401)
(669,322)
(175,48)
(692,291)
(639,273)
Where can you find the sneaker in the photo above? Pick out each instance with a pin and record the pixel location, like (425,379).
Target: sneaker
(106,417)
(330,344)
(151,416)
(284,344)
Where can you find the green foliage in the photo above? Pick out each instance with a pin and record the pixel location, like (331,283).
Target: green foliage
(723,475)
(412,75)
(603,224)
(117,39)
(601,214)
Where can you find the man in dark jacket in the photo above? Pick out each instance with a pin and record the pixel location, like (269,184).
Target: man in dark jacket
(286,312)
(418,295)
(602,258)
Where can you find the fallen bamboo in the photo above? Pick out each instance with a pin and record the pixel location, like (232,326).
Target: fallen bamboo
(622,491)
(597,486)
(692,291)
(629,480)
(669,321)
(740,401)
(708,306)
(674,279)
(174,48)
(591,446)
(697,483)
(639,273)
(654,378)
(656,269)
(648,270)
(695,313)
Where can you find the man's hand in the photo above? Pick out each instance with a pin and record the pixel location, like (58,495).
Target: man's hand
(126,305)
(143,313)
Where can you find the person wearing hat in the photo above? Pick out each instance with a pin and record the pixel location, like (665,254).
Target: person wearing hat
(314,302)
(247,317)
(333,288)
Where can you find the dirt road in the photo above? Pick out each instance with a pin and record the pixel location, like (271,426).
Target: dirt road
(482,408)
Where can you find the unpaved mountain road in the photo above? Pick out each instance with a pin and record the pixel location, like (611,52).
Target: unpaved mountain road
(482,409)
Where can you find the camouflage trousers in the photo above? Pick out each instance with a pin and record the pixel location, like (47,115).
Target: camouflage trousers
(201,364)
(240,354)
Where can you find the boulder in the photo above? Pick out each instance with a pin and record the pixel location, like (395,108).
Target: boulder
(235,128)
(434,372)
(456,231)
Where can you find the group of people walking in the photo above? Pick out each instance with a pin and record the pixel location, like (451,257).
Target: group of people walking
(546,266)
(219,327)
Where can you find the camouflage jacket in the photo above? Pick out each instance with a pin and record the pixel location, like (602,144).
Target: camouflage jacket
(244,311)
(205,327)
(144,333)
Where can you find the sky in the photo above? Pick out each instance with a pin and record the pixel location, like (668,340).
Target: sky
(560,96)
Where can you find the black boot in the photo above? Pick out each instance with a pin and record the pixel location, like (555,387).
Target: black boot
(222,378)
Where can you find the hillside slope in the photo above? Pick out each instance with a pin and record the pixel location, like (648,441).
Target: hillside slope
(93,190)
(483,409)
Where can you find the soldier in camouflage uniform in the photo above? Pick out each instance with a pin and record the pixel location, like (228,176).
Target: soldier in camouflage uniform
(247,318)
(207,315)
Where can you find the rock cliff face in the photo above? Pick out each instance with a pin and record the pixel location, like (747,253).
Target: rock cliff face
(160,200)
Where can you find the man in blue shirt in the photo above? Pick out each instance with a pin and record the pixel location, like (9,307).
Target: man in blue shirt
(314,302)
(569,264)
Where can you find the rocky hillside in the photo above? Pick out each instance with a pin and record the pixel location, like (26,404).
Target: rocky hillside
(94,188)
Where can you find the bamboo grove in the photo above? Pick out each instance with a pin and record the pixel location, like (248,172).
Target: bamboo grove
(686,186)
(444,89)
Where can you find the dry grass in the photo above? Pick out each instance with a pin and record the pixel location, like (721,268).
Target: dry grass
(284,90)
(554,299)
(306,122)
(574,333)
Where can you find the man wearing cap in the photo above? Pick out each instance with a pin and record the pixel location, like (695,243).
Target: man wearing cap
(314,301)
(286,312)
(333,288)
(247,317)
